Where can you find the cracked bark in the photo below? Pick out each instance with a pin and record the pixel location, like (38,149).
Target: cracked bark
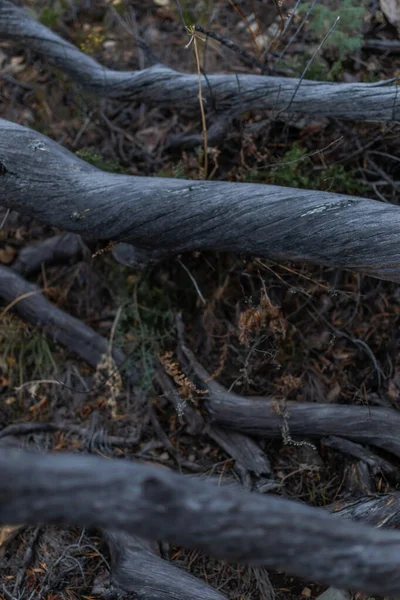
(235,94)
(154,503)
(169,216)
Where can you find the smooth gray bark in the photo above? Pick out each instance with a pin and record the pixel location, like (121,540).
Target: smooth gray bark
(58,248)
(154,503)
(40,178)
(165,87)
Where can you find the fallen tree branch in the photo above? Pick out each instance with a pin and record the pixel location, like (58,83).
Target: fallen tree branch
(93,437)
(40,178)
(154,503)
(162,86)
(56,324)
(266,417)
(376,463)
(136,568)
(380,511)
(58,248)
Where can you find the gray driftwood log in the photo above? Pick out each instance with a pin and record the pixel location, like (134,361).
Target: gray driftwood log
(164,87)
(40,178)
(225,521)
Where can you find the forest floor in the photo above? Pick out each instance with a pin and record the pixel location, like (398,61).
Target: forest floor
(292,331)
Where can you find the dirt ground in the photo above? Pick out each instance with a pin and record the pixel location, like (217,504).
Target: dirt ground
(293,331)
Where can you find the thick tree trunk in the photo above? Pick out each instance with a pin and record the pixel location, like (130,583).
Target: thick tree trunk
(155,503)
(40,178)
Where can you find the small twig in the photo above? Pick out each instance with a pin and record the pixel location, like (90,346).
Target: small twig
(16,429)
(193,281)
(19,299)
(246,56)
(246,22)
(314,54)
(296,33)
(25,562)
(113,329)
(5,218)
(193,39)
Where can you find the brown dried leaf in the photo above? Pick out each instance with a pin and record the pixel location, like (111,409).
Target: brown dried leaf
(7,255)
(7,534)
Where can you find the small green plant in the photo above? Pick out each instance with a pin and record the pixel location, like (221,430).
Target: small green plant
(51,13)
(98,161)
(26,352)
(346,37)
(296,169)
(146,324)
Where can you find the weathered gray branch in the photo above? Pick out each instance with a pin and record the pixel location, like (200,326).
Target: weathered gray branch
(136,568)
(58,248)
(247,454)
(32,305)
(40,178)
(155,503)
(380,511)
(376,463)
(266,417)
(235,93)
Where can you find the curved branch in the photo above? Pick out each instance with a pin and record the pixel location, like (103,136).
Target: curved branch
(225,521)
(377,464)
(237,93)
(40,178)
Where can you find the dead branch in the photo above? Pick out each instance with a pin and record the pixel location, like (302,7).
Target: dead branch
(56,324)
(40,178)
(376,463)
(58,248)
(266,417)
(234,93)
(247,454)
(137,568)
(154,503)
(380,510)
